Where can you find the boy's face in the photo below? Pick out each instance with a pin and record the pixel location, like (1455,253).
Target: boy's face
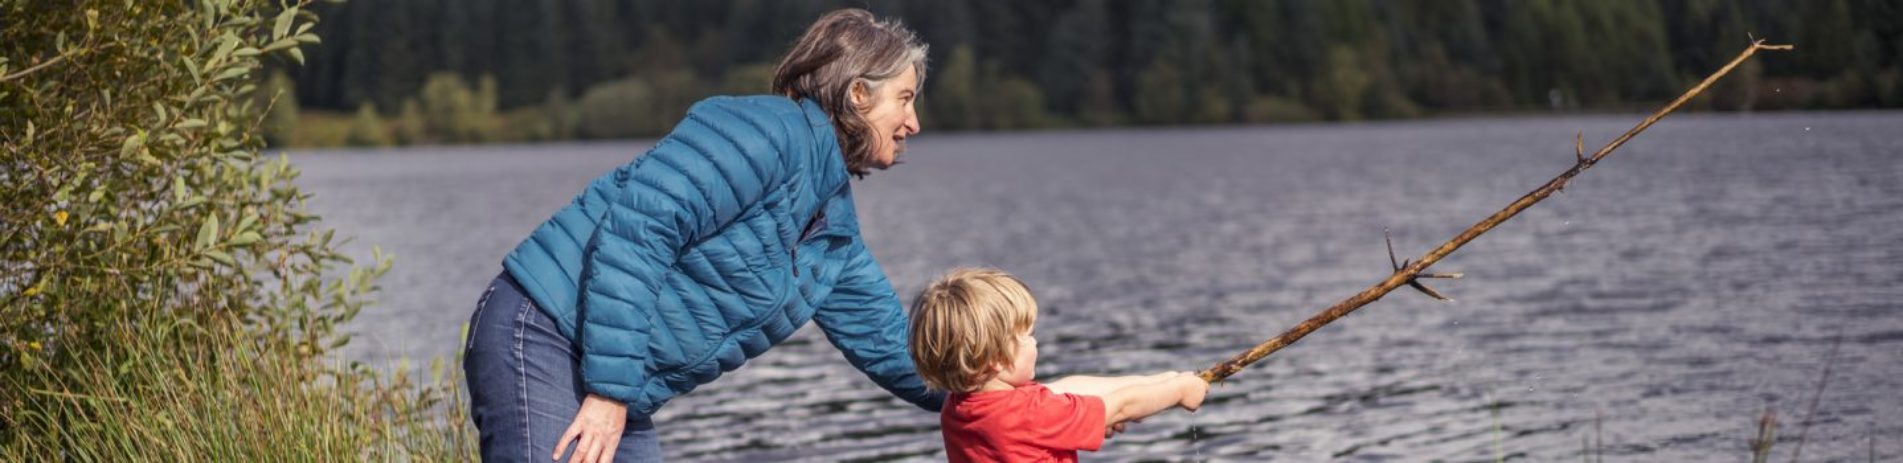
(1023,365)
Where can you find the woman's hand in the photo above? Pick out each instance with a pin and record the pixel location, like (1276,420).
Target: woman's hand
(596,431)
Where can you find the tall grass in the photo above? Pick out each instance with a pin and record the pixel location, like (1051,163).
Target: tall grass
(188,393)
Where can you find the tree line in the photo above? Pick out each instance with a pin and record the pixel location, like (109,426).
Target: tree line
(619,68)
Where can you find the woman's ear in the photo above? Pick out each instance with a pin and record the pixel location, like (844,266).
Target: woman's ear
(861,95)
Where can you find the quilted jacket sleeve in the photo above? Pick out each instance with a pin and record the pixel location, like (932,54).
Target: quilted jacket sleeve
(864,319)
(720,159)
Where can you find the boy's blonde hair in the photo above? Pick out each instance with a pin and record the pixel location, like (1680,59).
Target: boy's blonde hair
(965,323)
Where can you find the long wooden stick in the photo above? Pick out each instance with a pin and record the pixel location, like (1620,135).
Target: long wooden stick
(1406,274)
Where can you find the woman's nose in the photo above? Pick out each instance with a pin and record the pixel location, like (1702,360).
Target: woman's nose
(911,124)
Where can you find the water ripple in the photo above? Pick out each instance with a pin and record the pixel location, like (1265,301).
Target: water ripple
(1696,278)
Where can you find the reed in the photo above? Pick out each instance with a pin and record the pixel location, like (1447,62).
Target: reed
(185,393)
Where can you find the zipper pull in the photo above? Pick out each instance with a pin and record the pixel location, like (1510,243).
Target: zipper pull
(811,225)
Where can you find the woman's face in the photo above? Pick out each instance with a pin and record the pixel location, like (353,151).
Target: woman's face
(891,116)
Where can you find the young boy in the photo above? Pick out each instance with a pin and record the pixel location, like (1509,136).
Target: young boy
(972,336)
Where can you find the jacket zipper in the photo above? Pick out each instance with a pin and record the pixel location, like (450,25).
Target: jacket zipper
(793,252)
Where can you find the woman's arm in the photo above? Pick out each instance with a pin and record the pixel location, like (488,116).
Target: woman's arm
(722,158)
(716,163)
(864,319)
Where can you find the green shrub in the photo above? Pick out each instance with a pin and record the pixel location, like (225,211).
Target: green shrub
(148,198)
(1160,98)
(1344,86)
(617,109)
(455,113)
(1099,107)
(1016,104)
(974,95)
(280,95)
(164,295)
(674,90)
(1270,108)
(367,128)
(322,129)
(559,113)
(953,102)
(750,79)
(410,124)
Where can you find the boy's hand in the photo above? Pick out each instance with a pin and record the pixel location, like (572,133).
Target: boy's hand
(1118,427)
(1193,389)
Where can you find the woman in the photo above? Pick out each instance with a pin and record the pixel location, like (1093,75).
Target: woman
(719,242)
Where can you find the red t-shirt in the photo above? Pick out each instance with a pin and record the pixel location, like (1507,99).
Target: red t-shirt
(1029,423)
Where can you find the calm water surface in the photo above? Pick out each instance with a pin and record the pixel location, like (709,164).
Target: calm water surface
(1698,276)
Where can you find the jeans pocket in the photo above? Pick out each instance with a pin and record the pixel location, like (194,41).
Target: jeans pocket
(475,319)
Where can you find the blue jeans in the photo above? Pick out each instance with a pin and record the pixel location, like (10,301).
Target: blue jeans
(525,382)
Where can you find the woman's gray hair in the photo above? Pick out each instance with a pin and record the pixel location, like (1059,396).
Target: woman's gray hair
(842,50)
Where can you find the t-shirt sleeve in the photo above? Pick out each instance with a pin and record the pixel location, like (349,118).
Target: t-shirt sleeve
(1067,422)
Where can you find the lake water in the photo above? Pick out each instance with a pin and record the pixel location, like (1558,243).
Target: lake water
(1651,312)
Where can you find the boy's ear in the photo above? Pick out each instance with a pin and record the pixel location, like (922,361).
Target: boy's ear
(995,370)
(998,369)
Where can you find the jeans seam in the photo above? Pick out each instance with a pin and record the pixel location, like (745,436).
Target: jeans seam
(469,342)
(522,378)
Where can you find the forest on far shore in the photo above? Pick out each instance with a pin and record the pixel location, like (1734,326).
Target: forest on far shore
(472,71)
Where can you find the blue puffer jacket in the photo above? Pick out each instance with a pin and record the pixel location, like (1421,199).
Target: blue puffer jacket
(723,239)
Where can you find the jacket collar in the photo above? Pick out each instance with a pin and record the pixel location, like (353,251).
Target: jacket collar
(829,164)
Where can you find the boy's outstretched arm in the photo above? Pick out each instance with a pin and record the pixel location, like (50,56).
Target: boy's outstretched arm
(1142,400)
(1103,385)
